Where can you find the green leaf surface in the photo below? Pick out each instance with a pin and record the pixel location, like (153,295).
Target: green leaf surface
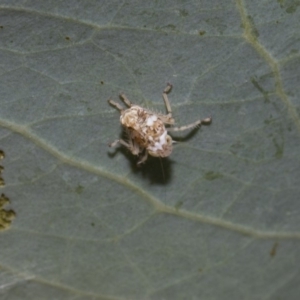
(219,218)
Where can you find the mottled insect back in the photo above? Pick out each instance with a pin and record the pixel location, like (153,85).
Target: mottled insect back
(146,130)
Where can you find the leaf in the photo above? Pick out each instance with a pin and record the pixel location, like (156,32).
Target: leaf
(218,219)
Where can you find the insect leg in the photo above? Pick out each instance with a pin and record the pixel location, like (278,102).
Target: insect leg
(131,146)
(115,104)
(114,143)
(192,125)
(143,159)
(166,100)
(125,100)
(167,118)
(122,142)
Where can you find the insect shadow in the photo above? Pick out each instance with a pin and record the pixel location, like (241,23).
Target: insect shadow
(157,170)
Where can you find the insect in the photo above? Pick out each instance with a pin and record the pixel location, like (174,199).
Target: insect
(147,131)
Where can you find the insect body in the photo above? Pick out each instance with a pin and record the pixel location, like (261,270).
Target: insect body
(146,130)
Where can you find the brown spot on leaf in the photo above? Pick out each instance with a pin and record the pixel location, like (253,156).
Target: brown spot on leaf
(274,249)
(6,216)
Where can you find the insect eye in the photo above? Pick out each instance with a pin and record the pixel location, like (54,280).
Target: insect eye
(169,140)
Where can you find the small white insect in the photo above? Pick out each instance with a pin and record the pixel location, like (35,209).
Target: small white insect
(146,130)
